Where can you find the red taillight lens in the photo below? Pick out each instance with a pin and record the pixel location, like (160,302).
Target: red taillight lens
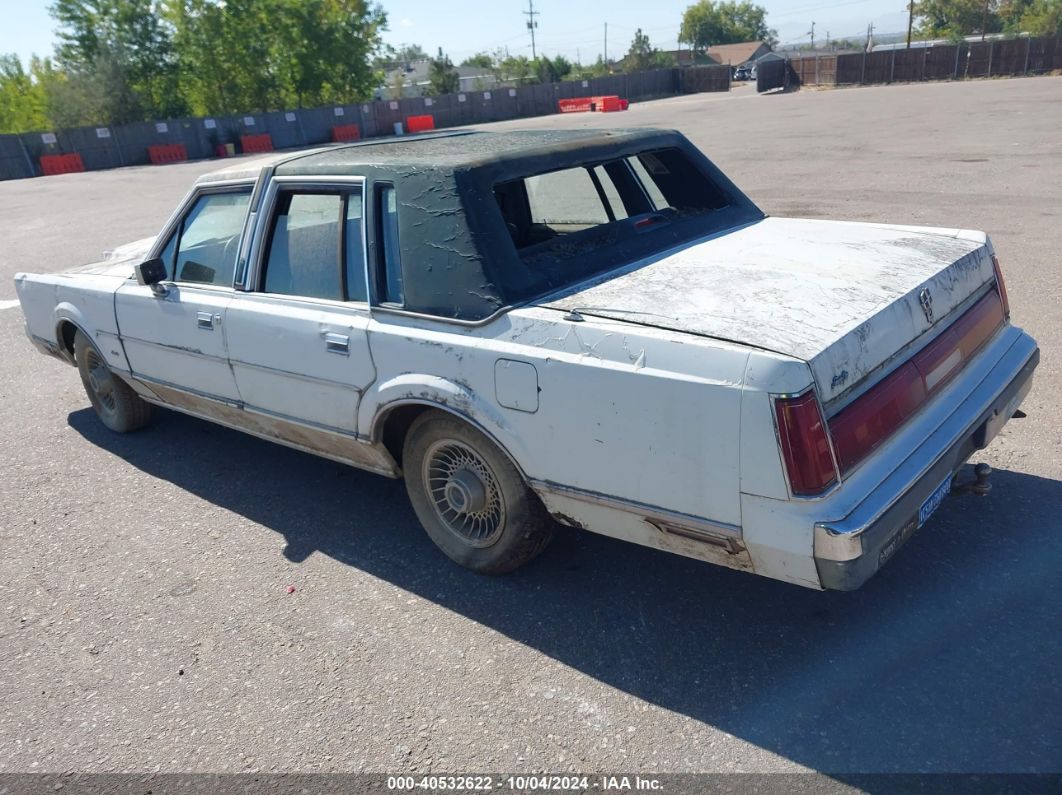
(871,420)
(805,448)
(1001,286)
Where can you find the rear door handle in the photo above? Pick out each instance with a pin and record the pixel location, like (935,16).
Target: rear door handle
(337,343)
(206,320)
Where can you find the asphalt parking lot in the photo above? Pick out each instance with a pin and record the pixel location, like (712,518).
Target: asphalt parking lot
(145,623)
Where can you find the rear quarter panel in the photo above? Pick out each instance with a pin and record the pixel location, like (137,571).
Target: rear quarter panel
(622,411)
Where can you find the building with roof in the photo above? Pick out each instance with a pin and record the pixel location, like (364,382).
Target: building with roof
(738,54)
(414,78)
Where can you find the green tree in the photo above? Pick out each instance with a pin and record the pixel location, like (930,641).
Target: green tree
(726,22)
(442,77)
(953,19)
(99,93)
(585,72)
(1040,18)
(547,70)
(23,98)
(482,60)
(245,55)
(518,69)
(130,44)
(641,55)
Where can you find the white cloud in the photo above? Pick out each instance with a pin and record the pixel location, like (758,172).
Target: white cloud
(405,22)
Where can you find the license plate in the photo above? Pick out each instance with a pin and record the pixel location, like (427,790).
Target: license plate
(934,500)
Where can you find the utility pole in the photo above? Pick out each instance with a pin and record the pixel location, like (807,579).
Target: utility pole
(910,22)
(531,25)
(984,21)
(606,49)
(812,34)
(827,40)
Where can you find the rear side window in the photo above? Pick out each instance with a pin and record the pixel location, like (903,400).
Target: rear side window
(388,262)
(601,203)
(565,199)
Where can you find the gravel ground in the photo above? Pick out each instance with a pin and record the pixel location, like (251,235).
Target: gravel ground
(145,622)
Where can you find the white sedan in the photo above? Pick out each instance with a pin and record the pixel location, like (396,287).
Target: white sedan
(592,328)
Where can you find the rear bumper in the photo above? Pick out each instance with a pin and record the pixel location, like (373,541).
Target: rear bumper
(850,550)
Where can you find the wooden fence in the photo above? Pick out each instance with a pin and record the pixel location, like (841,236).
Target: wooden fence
(1008,57)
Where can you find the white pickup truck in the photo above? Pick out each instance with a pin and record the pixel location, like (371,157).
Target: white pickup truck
(592,328)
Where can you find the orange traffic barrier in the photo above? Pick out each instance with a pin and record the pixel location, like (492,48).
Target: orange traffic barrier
(578,105)
(167,153)
(256,143)
(415,124)
(61,164)
(345,133)
(606,104)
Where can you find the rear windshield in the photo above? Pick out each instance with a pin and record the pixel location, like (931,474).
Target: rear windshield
(562,214)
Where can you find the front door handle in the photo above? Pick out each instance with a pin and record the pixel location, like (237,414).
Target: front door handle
(337,343)
(207,320)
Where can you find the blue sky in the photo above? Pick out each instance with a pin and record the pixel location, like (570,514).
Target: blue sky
(572,29)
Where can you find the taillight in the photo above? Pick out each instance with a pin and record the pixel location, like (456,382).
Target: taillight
(1001,286)
(871,420)
(805,446)
(863,425)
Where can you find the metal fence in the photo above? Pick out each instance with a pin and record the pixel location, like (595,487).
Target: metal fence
(1008,57)
(127,145)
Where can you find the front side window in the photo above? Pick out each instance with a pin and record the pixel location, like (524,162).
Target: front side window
(203,249)
(315,246)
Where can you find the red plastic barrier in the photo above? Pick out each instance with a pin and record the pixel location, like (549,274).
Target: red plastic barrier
(61,164)
(167,153)
(345,133)
(577,105)
(256,143)
(624,104)
(607,104)
(416,124)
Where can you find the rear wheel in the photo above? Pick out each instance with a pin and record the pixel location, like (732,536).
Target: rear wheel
(470,497)
(116,404)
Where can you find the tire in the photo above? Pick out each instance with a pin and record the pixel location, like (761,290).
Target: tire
(116,404)
(449,466)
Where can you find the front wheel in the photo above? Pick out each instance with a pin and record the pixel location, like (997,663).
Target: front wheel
(470,497)
(116,404)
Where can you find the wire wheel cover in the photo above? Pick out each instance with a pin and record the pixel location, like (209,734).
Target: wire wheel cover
(464,492)
(101,381)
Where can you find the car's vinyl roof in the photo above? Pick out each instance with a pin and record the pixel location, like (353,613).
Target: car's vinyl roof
(446,149)
(451,150)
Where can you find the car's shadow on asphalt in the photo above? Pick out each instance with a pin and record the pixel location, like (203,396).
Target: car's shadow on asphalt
(947,660)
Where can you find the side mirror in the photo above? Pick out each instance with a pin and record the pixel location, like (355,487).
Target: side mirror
(150,273)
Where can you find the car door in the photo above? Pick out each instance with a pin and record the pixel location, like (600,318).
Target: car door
(297,336)
(175,336)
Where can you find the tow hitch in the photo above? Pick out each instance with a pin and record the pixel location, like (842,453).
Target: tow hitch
(979,485)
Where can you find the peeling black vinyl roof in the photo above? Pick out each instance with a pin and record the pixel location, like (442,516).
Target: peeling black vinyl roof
(453,150)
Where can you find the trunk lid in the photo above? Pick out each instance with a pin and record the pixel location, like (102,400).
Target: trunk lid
(844,297)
